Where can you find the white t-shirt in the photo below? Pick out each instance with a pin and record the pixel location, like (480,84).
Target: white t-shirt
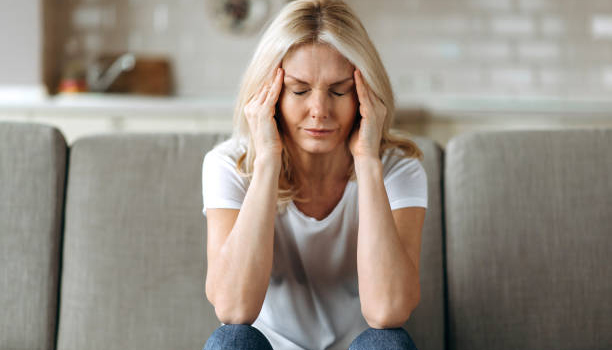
(312,301)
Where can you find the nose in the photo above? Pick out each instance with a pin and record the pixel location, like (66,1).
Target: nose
(319,104)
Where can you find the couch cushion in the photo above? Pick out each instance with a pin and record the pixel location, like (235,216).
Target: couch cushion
(32,178)
(134,254)
(134,251)
(529,239)
(426,324)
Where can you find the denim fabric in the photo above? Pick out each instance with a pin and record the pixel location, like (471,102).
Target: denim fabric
(237,337)
(245,337)
(388,339)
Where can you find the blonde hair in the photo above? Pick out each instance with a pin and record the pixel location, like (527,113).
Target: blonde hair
(301,22)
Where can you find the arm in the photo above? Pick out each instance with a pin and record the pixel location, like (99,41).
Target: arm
(388,250)
(240,251)
(240,243)
(389,243)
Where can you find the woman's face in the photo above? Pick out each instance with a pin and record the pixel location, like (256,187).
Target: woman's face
(318,102)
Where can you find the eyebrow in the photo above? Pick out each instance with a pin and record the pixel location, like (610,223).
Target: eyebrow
(305,83)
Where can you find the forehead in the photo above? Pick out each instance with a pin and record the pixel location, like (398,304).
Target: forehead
(317,62)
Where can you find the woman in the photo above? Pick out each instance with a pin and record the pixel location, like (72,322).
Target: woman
(291,264)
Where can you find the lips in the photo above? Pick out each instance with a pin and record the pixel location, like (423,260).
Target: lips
(318,132)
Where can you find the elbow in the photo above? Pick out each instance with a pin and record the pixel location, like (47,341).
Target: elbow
(235,312)
(232,312)
(393,316)
(209,290)
(235,315)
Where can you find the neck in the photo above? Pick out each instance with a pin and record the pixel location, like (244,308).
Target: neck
(321,170)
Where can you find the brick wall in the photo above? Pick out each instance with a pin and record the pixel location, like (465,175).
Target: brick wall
(431,48)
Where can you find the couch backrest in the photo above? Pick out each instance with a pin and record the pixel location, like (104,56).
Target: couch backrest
(134,254)
(32,177)
(134,250)
(427,323)
(529,239)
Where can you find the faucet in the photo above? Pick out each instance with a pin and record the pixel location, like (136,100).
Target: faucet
(99,81)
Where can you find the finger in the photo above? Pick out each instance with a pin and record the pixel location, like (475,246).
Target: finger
(255,95)
(262,95)
(366,87)
(274,91)
(363,96)
(362,93)
(372,95)
(374,100)
(271,76)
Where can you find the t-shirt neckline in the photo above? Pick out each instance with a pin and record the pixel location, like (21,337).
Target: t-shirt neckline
(329,216)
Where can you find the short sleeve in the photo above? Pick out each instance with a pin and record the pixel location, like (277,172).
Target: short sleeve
(405,181)
(222,186)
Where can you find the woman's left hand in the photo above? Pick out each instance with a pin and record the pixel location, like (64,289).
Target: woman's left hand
(365,139)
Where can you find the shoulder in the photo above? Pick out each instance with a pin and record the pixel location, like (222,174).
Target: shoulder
(395,163)
(226,153)
(405,180)
(222,185)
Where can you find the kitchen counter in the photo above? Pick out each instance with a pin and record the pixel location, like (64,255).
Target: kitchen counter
(101,103)
(466,108)
(446,107)
(85,114)
(439,117)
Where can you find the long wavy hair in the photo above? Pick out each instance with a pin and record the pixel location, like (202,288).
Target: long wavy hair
(301,22)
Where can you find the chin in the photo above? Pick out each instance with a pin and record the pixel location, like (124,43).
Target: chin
(319,146)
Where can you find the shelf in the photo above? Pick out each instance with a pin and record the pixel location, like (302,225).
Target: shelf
(441,108)
(124,105)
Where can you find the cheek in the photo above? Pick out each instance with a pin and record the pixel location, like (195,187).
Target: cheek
(289,110)
(348,110)
(283,100)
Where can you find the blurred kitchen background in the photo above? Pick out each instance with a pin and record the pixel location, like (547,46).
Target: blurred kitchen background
(91,66)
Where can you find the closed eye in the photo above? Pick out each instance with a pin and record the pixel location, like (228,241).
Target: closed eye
(303,92)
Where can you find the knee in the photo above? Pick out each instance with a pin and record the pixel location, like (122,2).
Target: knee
(237,336)
(388,339)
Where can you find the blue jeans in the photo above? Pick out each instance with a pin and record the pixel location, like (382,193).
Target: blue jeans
(245,337)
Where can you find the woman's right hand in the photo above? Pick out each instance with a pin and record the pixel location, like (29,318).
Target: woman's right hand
(259,112)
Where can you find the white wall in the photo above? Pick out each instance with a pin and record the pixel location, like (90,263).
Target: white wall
(20,42)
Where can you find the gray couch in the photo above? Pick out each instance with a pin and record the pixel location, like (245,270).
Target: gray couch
(102,244)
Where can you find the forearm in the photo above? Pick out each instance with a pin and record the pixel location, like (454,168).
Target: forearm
(244,263)
(388,279)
